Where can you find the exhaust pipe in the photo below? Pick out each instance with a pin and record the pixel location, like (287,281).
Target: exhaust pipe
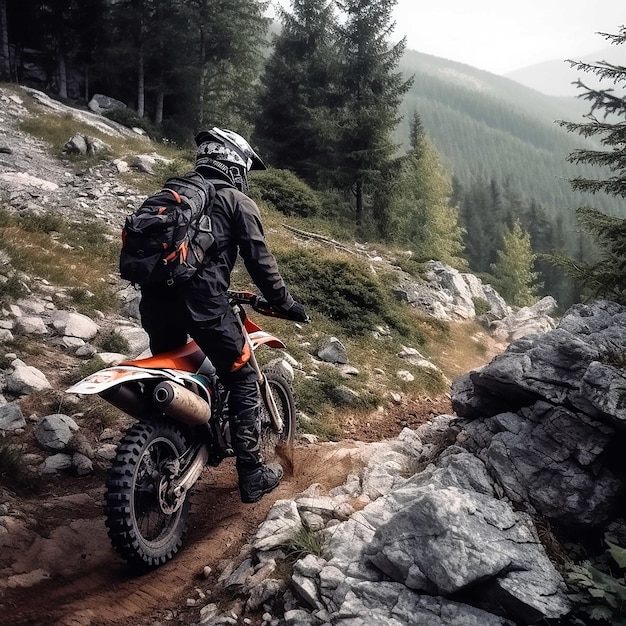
(181,404)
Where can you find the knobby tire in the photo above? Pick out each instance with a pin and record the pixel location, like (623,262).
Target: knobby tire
(282,391)
(139,530)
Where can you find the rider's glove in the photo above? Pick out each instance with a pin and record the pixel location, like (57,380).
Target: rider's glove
(297,313)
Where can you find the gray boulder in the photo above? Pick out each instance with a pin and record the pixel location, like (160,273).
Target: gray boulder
(54,432)
(545,414)
(11,417)
(100,103)
(559,366)
(25,379)
(551,458)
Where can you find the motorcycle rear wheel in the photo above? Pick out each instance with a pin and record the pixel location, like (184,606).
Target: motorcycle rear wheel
(282,392)
(140,531)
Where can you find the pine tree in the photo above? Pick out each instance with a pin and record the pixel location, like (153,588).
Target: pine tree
(371,91)
(298,93)
(5,58)
(605,276)
(513,275)
(233,34)
(483,218)
(421,214)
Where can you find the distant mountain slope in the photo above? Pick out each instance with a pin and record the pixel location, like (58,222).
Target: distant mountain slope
(490,126)
(557,77)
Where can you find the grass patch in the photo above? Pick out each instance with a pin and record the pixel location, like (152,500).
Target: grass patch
(98,414)
(74,255)
(57,130)
(314,393)
(26,345)
(304,542)
(112,341)
(178,163)
(84,369)
(481,306)
(12,470)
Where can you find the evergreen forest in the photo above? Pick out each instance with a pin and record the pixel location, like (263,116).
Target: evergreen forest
(376,142)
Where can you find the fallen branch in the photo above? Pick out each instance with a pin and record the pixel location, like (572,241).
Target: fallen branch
(320,238)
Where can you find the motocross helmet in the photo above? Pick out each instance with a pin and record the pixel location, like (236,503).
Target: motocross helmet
(228,155)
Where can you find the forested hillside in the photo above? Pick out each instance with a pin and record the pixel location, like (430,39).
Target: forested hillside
(492,127)
(375,142)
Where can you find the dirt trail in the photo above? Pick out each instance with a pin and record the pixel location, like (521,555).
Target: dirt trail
(90,585)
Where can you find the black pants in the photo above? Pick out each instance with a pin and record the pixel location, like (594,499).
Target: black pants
(169,320)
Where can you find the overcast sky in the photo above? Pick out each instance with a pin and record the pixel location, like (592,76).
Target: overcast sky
(500,35)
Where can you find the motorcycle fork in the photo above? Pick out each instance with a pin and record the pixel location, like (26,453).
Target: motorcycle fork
(264,388)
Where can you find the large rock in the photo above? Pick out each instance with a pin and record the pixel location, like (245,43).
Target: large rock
(530,320)
(550,457)
(409,555)
(558,366)
(448,540)
(11,417)
(75,325)
(100,103)
(25,379)
(449,294)
(547,414)
(54,432)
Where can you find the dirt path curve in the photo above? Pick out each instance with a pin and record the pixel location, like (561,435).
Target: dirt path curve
(66,573)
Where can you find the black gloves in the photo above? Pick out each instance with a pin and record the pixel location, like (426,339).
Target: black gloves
(297,313)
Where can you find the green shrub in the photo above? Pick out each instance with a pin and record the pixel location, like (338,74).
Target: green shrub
(345,292)
(130,119)
(12,289)
(12,473)
(304,542)
(285,191)
(598,588)
(113,342)
(481,306)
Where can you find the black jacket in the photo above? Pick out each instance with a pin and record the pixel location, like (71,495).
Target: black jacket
(237,229)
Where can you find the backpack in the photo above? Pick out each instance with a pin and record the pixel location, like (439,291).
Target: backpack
(168,237)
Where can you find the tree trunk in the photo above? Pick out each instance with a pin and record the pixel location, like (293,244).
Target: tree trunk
(359,202)
(158,113)
(5,61)
(141,86)
(62,76)
(203,74)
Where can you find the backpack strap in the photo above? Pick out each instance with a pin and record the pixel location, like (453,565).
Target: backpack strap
(192,188)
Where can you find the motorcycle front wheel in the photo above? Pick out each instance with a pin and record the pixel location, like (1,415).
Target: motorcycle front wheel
(141,531)
(282,392)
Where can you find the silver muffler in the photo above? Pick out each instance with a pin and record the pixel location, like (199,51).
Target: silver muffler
(181,404)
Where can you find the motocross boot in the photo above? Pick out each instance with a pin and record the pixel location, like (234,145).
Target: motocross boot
(255,478)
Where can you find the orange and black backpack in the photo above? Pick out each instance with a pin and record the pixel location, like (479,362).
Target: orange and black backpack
(168,237)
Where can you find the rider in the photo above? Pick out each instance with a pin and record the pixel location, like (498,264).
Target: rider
(200,308)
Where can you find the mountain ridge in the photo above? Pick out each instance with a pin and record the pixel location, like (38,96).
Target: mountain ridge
(492,127)
(556,77)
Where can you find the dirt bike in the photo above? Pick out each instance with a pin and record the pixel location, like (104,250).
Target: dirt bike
(181,410)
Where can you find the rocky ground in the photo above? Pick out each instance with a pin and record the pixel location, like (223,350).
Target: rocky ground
(56,563)
(453,521)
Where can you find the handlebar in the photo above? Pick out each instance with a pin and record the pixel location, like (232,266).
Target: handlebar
(261,305)
(258,303)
